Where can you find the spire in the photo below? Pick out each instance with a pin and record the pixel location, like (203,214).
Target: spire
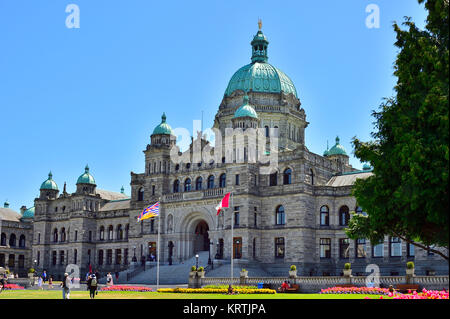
(64,190)
(50,175)
(86,169)
(163,118)
(259,46)
(337,140)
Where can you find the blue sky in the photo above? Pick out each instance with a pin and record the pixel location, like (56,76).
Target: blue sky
(71,97)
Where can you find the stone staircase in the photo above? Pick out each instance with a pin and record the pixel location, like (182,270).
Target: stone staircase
(173,274)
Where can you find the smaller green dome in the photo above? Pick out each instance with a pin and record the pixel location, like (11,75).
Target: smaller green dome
(49,183)
(29,213)
(366,167)
(337,149)
(163,127)
(246,110)
(86,178)
(6,204)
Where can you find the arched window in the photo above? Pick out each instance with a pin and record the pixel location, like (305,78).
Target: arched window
(63,234)
(267,130)
(211,181)
(176,186)
(141,194)
(102,233)
(198,183)
(311,173)
(12,240)
(3,240)
(187,185)
(280,217)
(22,241)
(287,176)
(223,180)
(344,216)
(55,235)
(324,216)
(119,232)
(110,232)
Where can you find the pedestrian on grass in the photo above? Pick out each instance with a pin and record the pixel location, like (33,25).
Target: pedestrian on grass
(50,282)
(65,284)
(92,286)
(40,283)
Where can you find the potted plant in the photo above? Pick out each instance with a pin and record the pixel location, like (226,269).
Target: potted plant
(347,269)
(293,271)
(193,271)
(31,272)
(244,273)
(410,268)
(201,272)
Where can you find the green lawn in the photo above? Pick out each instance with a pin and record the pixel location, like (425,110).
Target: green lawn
(57,294)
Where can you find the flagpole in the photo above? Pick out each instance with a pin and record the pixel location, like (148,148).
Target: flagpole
(232,234)
(158,251)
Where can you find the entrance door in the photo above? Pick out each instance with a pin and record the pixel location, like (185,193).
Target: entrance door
(201,236)
(237,247)
(220,251)
(152,251)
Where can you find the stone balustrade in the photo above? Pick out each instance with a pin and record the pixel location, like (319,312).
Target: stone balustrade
(316,283)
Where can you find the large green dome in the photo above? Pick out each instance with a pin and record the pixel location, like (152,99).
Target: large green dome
(49,183)
(260,76)
(163,127)
(337,149)
(246,110)
(86,178)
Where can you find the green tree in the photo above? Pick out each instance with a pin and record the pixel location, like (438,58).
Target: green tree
(407,197)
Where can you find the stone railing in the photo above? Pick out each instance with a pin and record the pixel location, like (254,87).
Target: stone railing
(315,284)
(213,192)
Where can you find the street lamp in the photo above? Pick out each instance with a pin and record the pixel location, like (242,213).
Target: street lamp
(134,254)
(196,261)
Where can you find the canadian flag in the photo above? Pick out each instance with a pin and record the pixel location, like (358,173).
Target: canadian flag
(223,203)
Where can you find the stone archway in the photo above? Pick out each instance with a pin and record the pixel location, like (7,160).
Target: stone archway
(201,241)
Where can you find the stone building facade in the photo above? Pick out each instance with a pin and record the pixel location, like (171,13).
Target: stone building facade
(292,213)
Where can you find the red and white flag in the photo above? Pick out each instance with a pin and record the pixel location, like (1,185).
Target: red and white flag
(223,203)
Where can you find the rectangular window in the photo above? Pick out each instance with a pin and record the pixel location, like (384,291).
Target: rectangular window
(395,247)
(273,179)
(54,257)
(153,189)
(279,247)
(118,256)
(378,250)
(38,259)
(109,256)
(360,248)
(410,250)
(237,179)
(236,216)
(255,218)
(39,238)
(344,248)
(100,257)
(61,257)
(90,235)
(325,248)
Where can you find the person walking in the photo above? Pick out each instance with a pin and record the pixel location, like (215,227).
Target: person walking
(44,276)
(40,280)
(65,284)
(50,282)
(92,286)
(109,279)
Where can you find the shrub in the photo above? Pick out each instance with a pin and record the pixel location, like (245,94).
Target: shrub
(31,271)
(347,266)
(243,269)
(201,269)
(193,268)
(7,271)
(293,267)
(410,265)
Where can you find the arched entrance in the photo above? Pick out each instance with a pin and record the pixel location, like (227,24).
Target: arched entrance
(201,242)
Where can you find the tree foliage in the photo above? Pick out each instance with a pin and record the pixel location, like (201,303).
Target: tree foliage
(407,196)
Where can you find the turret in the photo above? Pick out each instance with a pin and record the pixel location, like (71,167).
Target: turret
(49,189)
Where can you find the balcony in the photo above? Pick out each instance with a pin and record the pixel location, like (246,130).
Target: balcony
(194,195)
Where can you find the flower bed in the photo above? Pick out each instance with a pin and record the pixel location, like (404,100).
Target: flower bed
(356,290)
(226,287)
(216,290)
(425,294)
(126,288)
(13,287)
